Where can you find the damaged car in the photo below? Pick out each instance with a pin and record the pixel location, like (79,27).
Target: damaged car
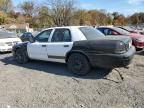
(80,47)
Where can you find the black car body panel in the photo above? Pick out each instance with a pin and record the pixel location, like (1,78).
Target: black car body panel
(102,52)
(106,45)
(22,46)
(112,60)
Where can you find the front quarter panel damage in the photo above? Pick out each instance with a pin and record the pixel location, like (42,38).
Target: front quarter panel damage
(21,46)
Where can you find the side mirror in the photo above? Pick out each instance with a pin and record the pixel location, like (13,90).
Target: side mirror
(27,37)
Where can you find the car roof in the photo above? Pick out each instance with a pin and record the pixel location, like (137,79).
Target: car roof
(68,27)
(104,27)
(114,28)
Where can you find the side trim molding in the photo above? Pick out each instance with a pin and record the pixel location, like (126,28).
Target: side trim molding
(56,57)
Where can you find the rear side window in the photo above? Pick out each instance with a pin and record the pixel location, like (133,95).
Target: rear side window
(61,35)
(90,33)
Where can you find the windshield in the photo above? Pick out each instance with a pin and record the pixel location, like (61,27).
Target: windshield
(7,35)
(121,31)
(90,33)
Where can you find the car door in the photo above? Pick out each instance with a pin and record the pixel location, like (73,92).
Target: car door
(38,49)
(61,43)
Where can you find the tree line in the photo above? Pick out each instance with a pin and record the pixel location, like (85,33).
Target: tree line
(61,13)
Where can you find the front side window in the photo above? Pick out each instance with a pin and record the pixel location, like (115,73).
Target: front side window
(61,35)
(44,36)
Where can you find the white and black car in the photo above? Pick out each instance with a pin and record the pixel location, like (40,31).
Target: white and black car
(81,47)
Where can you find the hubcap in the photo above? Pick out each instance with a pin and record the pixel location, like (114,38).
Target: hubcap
(77,64)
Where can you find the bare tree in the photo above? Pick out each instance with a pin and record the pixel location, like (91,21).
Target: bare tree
(28,7)
(44,17)
(6,5)
(61,11)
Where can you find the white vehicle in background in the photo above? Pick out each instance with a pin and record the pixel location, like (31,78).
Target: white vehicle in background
(7,40)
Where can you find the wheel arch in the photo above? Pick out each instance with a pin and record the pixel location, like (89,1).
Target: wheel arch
(22,46)
(15,48)
(76,51)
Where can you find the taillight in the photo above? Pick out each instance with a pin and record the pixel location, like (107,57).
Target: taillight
(120,48)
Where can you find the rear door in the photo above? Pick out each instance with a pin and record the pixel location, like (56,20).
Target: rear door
(59,45)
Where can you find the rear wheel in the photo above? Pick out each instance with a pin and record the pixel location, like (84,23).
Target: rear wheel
(21,57)
(78,64)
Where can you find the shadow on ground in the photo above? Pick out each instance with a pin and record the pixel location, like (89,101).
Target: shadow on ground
(140,53)
(55,68)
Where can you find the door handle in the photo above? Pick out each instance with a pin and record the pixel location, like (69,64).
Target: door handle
(66,45)
(43,45)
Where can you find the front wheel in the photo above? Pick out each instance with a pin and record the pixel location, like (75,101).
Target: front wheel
(78,64)
(21,57)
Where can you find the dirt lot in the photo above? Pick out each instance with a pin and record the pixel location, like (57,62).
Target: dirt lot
(49,85)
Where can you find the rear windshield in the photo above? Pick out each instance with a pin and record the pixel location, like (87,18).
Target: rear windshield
(91,33)
(7,35)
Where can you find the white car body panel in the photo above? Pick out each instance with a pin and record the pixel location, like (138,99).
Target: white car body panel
(6,44)
(58,49)
(37,51)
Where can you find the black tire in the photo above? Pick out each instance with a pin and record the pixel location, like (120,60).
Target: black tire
(21,57)
(78,64)
(139,49)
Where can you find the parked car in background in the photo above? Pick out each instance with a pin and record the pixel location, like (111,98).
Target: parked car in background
(137,40)
(80,47)
(132,30)
(140,32)
(7,40)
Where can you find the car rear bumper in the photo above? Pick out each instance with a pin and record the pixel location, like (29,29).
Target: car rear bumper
(5,48)
(112,60)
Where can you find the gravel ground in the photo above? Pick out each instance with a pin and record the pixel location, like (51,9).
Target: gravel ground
(49,85)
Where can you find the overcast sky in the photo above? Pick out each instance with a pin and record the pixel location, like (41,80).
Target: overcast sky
(127,7)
